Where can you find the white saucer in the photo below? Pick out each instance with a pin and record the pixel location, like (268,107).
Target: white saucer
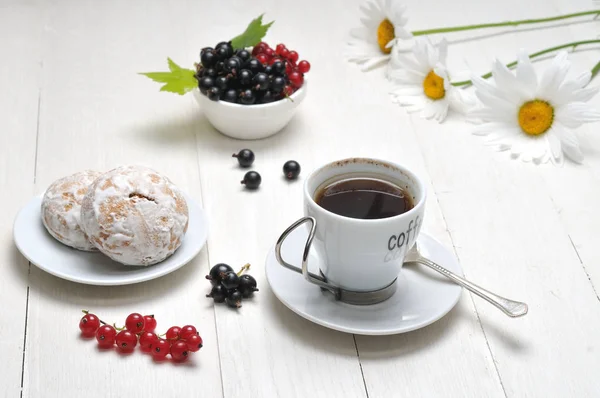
(423,296)
(42,250)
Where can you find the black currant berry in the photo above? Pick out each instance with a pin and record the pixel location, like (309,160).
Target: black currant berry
(221,82)
(247,97)
(210,72)
(245,157)
(232,65)
(247,285)
(219,66)
(261,80)
(254,65)
(252,180)
(266,98)
(221,53)
(218,293)
(230,280)
(205,50)
(214,93)
(205,84)
(244,55)
(208,59)
(234,299)
(278,67)
(291,169)
(217,273)
(245,77)
(227,46)
(278,84)
(230,95)
(269,70)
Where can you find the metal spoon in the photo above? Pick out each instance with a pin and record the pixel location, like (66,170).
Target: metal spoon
(509,307)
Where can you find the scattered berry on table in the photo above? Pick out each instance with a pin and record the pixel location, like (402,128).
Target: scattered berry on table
(252,180)
(179,351)
(217,273)
(291,169)
(160,349)
(105,335)
(147,339)
(149,323)
(230,280)
(218,293)
(135,323)
(88,325)
(234,299)
(194,342)
(173,333)
(126,341)
(247,285)
(186,331)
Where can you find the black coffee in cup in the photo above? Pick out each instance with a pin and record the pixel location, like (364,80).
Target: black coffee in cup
(364,198)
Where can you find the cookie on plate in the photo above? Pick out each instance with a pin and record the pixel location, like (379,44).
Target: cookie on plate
(61,209)
(135,216)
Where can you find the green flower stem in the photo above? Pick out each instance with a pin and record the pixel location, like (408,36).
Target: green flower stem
(507,23)
(537,54)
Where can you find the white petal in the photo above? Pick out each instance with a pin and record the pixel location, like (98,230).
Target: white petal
(443,51)
(575,114)
(488,128)
(525,73)
(407,91)
(573,153)
(553,77)
(373,62)
(566,136)
(507,83)
(555,148)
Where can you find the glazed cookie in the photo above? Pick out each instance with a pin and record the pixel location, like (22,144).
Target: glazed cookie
(134,215)
(61,209)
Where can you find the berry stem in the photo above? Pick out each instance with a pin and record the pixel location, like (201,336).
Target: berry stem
(87,312)
(245,268)
(118,329)
(507,23)
(537,54)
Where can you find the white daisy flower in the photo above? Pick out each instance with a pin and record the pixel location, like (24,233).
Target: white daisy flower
(534,118)
(421,81)
(382,24)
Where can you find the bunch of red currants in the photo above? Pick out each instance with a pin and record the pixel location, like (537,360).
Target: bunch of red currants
(178,342)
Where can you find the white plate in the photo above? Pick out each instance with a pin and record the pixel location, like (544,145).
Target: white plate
(42,250)
(422,298)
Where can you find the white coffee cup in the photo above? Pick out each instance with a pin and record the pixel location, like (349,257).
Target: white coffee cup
(361,258)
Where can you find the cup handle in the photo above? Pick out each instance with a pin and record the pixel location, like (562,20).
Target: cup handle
(309,276)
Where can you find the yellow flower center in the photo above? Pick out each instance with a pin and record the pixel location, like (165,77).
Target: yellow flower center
(536,117)
(433,86)
(385,34)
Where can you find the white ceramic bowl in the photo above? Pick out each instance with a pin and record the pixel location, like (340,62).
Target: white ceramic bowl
(250,122)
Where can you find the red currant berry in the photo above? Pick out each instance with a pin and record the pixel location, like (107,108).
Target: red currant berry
(88,325)
(179,351)
(147,339)
(160,349)
(149,323)
(288,90)
(173,333)
(126,341)
(279,47)
(105,335)
(285,53)
(296,79)
(194,342)
(289,68)
(257,50)
(304,66)
(273,60)
(134,323)
(269,52)
(262,58)
(293,56)
(187,331)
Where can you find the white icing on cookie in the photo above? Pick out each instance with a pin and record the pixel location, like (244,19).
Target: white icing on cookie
(61,209)
(135,216)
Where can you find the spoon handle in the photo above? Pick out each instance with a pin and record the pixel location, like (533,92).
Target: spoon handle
(509,307)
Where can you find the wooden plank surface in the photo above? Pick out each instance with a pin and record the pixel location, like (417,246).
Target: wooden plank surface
(19,79)
(527,232)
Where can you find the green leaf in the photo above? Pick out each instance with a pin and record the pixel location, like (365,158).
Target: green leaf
(179,80)
(253,34)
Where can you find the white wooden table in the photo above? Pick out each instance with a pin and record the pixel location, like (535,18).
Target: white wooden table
(71,99)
